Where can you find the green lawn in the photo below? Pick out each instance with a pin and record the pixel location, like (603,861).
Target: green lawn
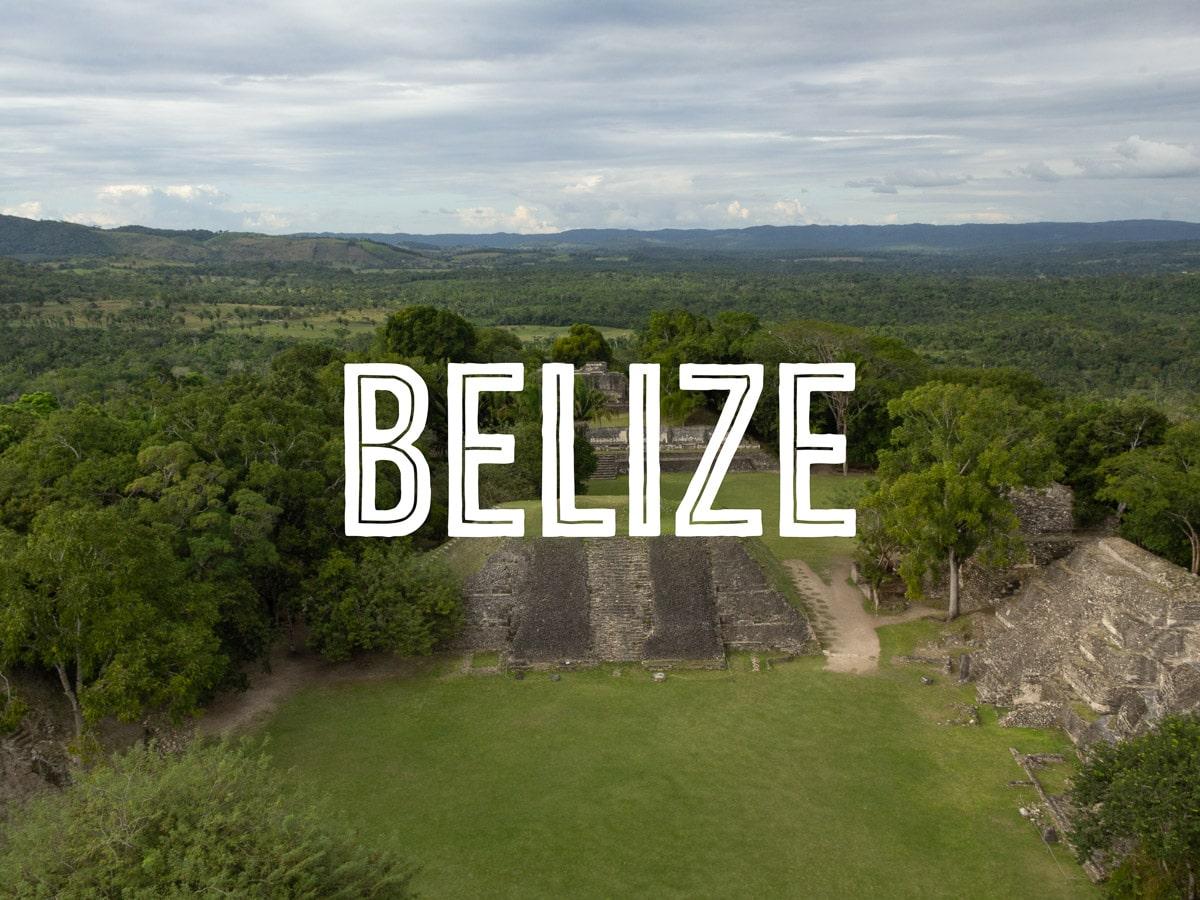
(788,782)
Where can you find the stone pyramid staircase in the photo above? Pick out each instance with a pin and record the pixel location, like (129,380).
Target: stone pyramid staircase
(610,465)
(621,596)
(488,601)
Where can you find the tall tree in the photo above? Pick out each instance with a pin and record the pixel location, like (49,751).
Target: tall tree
(101,601)
(878,552)
(884,369)
(1090,431)
(1161,487)
(944,487)
(389,599)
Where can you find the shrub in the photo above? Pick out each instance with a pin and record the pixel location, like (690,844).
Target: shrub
(1141,797)
(215,820)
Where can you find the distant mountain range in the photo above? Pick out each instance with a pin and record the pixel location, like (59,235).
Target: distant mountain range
(31,240)
(808,238)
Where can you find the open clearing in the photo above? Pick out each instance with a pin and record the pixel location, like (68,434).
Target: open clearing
(790,781)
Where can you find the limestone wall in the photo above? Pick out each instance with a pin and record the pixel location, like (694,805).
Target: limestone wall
(1047,510)
(554,623)
(753,615)
(685,614)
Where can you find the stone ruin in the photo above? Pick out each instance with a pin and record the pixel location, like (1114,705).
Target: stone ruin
(679,447)
(660,601)
(1048,510)
(613,385)
(1047,522)
(1090,632)
(1103,642)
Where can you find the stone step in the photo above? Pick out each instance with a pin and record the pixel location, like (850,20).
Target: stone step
(619,584)
(609,466)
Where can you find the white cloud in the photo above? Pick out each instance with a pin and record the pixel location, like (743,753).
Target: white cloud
(586,185)
(177,206)
(1140,158)
(266,220)
(642,115)
(735,210)
(30,209)
(115,193)
(876,185)
(984,216)
(96,217)
(522,220)
(193,191)
(926,178)
(792,212)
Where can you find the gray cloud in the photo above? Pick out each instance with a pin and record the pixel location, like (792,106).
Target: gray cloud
(432,116)
(915,178)
(1039,171)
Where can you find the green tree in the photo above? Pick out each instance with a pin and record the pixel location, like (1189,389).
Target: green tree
(944,485)
(221,532)
(589,402)
(216,820)
(498,345)
(1161,487)
(100,600)
(1090,431)
(1141,798)
(1020,384)
(84,454)
(884,369)
(389,599)
(17,419)
(581,344)
(877,552)
(12,708)
(435,335)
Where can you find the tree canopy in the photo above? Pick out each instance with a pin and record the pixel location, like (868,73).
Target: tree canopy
(1161,487)
(435,335)
(581,344)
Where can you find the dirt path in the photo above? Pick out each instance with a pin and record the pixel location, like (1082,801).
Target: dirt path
(847,630)
(240,710)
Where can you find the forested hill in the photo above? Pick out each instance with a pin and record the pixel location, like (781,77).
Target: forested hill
(842,238)
(30,240)
(1068,248)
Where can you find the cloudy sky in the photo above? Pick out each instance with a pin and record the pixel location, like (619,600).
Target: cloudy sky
(434,117)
